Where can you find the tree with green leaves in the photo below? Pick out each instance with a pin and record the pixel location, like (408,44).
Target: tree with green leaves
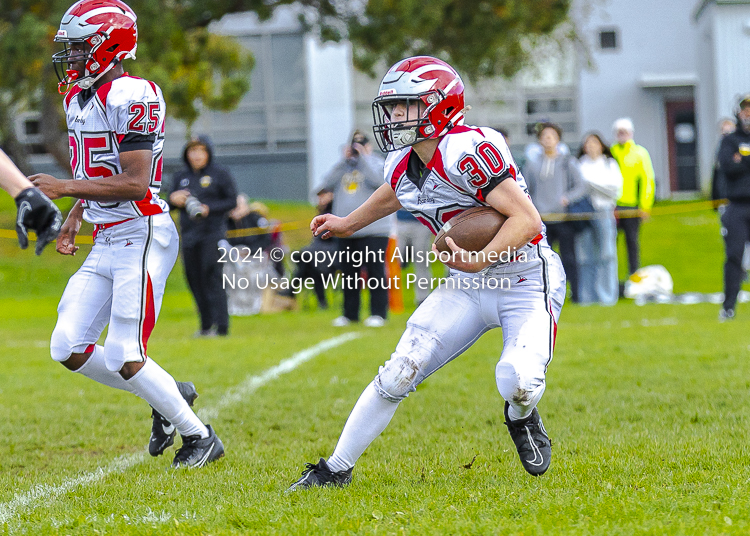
(481,38)
(192,66)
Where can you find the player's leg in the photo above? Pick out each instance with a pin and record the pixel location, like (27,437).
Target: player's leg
(528,314)
(140,271)
(83,314)
(447,323)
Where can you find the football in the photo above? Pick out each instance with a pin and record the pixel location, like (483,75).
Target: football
(471,230)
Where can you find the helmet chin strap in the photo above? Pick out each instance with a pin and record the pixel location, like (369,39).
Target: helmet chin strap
(86,83)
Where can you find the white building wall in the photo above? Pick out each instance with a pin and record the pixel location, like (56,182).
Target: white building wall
(706,109)
(722,48)
(330,106)
(655,40)
(732,41)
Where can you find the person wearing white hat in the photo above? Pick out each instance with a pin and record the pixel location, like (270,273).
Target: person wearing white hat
(638,187)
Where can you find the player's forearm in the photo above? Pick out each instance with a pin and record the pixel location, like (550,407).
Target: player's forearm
(76,213)
(383,202)
(11,178)
(516,232)
(122,187)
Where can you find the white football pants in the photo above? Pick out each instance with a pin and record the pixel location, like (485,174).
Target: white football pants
(453,317)
(121,283)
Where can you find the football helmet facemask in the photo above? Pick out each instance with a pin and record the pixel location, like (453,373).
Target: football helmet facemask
(434,86)
(108,30)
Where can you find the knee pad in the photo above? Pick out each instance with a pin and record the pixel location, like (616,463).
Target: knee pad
(62,345)
(397,378)
(520,386)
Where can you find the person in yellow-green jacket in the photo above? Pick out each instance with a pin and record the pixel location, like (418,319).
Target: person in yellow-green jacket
(637,189)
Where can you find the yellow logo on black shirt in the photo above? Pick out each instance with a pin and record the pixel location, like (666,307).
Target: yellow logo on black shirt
(205,181)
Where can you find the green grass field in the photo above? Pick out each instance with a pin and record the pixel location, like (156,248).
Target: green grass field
(648,409)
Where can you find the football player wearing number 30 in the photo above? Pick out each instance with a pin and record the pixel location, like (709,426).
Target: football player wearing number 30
(116,134)
(436,168)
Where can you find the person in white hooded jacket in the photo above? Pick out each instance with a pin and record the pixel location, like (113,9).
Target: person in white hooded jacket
(596,247)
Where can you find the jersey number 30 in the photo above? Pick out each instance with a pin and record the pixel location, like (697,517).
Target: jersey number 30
(493,161)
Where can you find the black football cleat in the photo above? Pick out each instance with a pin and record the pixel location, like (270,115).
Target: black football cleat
(197,452)
(532,442)
(162,431)
(320,475)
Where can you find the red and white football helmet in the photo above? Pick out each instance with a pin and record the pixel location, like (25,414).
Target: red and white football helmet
(419,79)
(109,29)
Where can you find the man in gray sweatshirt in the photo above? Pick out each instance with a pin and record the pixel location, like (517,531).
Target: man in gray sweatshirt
(554,182)
(352,181)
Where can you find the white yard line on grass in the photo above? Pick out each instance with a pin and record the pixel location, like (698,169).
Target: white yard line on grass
(41,494)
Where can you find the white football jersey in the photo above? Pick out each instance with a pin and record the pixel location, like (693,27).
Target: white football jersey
(123,115)
(468,163)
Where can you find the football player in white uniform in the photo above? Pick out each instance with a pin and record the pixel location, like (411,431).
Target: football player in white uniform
(35,210)
(116,134)
(437,168)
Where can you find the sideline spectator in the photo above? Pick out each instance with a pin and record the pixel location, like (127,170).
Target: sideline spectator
(249,216)
(718,180)
(638,187)
(535,151)
(554,182)
(596,245)
(204,193)
(353,180)
(309,269)
(734,159)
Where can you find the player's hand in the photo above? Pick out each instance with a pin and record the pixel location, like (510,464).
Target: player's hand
(205,210)
(328,225)
(66,241)
(37,212)
(462,260)
(179,198)
(49,185)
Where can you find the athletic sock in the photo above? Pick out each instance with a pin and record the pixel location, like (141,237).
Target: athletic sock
(95,369)
(517,414)
(368,419)
(157,387)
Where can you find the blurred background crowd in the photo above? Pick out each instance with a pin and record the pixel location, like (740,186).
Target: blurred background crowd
(288,116)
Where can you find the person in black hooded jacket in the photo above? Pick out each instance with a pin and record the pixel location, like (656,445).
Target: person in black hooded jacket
(734,159)
(204,193)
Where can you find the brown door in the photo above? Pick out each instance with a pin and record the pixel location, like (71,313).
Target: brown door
(682,144)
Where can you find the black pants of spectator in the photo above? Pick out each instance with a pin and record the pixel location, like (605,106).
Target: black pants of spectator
(631,227)
(308,270)
(372,250)
(736,230)
(203,272)
(564,234)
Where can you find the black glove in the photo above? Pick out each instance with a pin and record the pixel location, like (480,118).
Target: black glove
(37,212)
